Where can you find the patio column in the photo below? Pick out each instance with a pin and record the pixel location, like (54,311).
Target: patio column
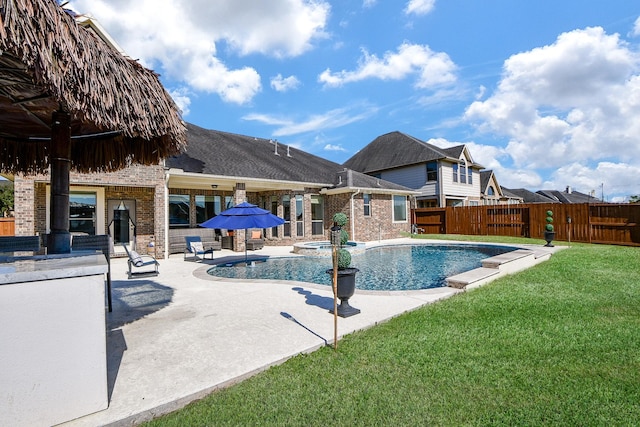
(59,241)
(239,196)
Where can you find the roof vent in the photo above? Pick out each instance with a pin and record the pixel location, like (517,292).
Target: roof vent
(569,190)
(276,152)
(288,155)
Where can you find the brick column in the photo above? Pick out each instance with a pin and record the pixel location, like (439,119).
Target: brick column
(239,196)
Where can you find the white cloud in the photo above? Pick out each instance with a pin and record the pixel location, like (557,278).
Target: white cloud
(331,147)
(369,3)
(604,177)
(284,84)
(330,120)
(419,7)
(575,100)
(180,36)
(636,28)
(432,68)
(182,99)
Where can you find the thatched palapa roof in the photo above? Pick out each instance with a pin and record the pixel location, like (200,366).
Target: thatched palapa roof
(120,113)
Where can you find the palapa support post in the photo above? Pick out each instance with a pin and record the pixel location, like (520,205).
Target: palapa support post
(59,241)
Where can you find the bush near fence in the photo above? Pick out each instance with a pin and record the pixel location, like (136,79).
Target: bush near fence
(607,223)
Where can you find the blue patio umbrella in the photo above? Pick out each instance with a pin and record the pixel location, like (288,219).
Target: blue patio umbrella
(242,217)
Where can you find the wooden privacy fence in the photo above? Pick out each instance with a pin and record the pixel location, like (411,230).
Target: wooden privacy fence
(592,223)
(7,226)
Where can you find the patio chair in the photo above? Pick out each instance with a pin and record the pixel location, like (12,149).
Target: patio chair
(195,248)
(255,240)
(141,265)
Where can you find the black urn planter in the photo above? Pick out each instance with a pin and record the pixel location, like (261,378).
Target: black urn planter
(346,289)
(549,236)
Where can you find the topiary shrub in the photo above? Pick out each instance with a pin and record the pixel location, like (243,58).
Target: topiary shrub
(549,226)
(344,256)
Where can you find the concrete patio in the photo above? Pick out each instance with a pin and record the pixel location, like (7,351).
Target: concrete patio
(178,336)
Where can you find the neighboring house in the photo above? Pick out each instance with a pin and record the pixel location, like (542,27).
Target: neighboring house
(216,171)
(568,196)
(528,196)
(441,176)
(552,196)
(492,193)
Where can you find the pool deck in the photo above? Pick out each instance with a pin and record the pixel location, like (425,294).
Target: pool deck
(178,336)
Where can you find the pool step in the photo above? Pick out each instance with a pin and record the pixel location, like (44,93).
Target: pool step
(497,266)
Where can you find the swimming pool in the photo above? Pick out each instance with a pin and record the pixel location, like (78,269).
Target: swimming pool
(394,267)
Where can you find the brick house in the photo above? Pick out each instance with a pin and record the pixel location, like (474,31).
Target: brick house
(216,171)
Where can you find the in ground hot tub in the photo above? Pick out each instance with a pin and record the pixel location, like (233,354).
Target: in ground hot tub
(323,248)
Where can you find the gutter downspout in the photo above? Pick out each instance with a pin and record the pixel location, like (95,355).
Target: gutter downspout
(353,223)
(166,215)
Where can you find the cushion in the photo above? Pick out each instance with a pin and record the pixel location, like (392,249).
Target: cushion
(196,247)
(136,259)
(256,234)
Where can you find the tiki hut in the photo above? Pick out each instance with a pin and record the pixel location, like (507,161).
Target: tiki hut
(70,101)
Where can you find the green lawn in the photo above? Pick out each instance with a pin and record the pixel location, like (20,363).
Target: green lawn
(558,344)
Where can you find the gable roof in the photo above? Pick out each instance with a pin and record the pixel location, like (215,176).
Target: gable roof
(397,149)
(213,152)
(485,177)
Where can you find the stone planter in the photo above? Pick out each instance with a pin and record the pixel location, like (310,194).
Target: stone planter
(548,237)
(346,289)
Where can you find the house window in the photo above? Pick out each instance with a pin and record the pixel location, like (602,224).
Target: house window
(207,207)
(366,198)
(178,210)
(82,212)
(463,174)
(455,172)
(432,171)
(299,216)
(469,176)
(228,202)
(286,205)
(399,208)
(317,215)
(491,191)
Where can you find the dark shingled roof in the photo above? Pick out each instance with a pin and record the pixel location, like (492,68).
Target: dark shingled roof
(485,176)
(396,149)
(568,196)
(227,154)
(529,196)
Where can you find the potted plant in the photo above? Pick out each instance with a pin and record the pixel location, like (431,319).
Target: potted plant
(549,233)
(346,285)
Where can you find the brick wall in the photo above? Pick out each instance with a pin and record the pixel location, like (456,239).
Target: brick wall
(145,184)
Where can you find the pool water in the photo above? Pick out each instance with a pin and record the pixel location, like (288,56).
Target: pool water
(401,267)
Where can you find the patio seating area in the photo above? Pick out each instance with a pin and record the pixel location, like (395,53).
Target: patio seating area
(178,336)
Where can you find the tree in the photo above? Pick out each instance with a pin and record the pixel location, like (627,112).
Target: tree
(6,198)
(634,199)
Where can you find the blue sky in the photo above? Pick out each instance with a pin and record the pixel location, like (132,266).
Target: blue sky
(545,93)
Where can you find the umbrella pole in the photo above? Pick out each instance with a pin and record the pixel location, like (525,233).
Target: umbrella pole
(246,257)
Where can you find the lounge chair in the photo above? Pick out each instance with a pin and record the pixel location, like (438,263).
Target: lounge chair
(195,248)
(255,240)
(141,265)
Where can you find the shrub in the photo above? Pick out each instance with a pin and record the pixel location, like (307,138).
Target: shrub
(344,256)
(549,226)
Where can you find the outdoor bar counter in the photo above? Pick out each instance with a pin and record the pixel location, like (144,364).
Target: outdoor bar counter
(52,338)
